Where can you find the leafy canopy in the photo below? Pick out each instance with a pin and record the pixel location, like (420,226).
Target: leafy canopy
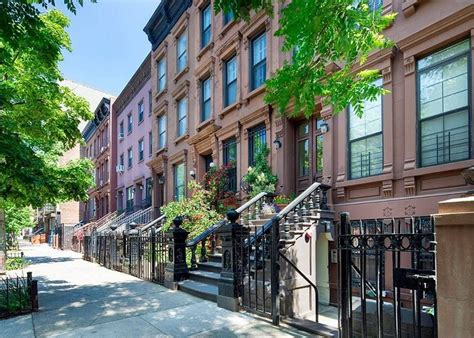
(38,118)
(322,34)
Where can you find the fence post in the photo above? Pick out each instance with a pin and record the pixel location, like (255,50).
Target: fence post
(345,279)
(230,281)
(275,271)
(153,254)
(176,269)
(34,295)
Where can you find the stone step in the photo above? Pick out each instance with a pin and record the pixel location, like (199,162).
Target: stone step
(205,277)
(201,290)
(314,328)
(210,266)
(215,258)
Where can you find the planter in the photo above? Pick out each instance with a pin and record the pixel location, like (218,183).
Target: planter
(281,206)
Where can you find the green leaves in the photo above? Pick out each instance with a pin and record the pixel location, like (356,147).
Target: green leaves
(328,38)
(38,118)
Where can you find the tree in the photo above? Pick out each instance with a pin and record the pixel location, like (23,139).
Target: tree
(38,118)
(16,218)
(322,33)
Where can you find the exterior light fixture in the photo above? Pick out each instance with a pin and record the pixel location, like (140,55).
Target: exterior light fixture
(277,143)
(192,173)
(211,165)
(161,179)
(324,127)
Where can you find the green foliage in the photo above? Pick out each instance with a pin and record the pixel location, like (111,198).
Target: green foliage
(320,34)
(214,181)
(38,118)
(260,177)
(16,263)
(197,210)
(14,296)
(16,218)
(282,199)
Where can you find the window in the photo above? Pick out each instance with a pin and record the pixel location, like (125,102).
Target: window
(161,74)
(130,157)
(228,17)
(140,150)
(129,122)
(182,53)
(303,149)
(443,105)
(161,131)
(229,159)
(319,148)
(182,116)
(257,142)
(150,103)
(206,99)
(365,139)
(130,198)
(121,131)
(208,162)
(148,192)
(205,25)
(230,78)
(141,112)
(179,181)
(122,160)
(258,61)
(150,143)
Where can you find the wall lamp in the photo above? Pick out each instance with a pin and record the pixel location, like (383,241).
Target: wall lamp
(192,173)
(277,143)
(324,127)
(161,179)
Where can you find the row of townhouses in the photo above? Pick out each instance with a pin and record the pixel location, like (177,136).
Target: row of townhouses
(196,101)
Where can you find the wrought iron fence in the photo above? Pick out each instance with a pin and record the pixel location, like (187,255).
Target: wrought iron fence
(18,295)
(142,255)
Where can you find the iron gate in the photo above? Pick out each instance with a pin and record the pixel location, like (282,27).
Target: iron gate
(387,285)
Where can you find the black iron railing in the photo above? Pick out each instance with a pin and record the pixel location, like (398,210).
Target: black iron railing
(18,295)
(445,146)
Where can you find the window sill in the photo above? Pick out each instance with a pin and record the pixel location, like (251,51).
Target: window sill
(161,150)
(210,45)
(204,124)
(364,180)
(160,93)
(140,161)
(180,74)
(121,139)
(229,108)
(129,132)
(181,138)
(140,122)
(463,164)
(226,28)
(255,92)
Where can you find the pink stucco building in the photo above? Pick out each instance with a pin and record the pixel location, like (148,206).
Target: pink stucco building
(132,133)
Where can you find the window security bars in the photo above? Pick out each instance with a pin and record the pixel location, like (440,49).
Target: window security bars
(257,142)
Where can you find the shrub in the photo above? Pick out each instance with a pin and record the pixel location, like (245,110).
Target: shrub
(260,178)
(16,263)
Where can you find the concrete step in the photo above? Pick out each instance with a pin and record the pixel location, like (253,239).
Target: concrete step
(210,267)
(215,258)
(201,290)
(318,329)
(205,277)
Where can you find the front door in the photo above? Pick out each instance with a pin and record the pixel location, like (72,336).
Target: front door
(309,153)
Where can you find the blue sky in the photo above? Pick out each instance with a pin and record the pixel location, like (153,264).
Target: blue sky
(108,42)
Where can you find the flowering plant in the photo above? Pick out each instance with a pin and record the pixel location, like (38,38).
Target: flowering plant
(260,177)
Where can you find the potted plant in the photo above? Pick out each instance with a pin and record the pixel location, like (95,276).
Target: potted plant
(282,201)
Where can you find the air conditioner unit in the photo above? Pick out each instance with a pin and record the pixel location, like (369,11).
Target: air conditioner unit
(119,168)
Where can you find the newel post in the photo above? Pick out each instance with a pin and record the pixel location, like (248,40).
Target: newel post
(230,282)
(176,269)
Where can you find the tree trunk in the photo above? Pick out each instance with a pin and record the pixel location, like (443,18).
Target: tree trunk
(3,242)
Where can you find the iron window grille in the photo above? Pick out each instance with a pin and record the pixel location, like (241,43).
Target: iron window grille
(182,116)
(161,66)
(205,25)
(230,76)
(141,150)
(130,157)
(130,123)
(257,142)
(141,112)
(258,61)
(205,99)
(161,131)
(182,52)
(443,104)
(366,139)
(229,158)
(179,181)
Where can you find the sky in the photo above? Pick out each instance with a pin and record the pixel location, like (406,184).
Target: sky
(108,42)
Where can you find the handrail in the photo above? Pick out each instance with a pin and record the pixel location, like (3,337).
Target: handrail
(152,223)
(286,210)
(219,224)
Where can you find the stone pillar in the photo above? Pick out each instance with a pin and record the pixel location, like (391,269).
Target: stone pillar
(232,236)
(3,242)
(455,267)
(176,269)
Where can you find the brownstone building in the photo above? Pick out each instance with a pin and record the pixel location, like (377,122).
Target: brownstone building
(399,160)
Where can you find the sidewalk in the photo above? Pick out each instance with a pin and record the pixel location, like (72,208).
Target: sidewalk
(82,299)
